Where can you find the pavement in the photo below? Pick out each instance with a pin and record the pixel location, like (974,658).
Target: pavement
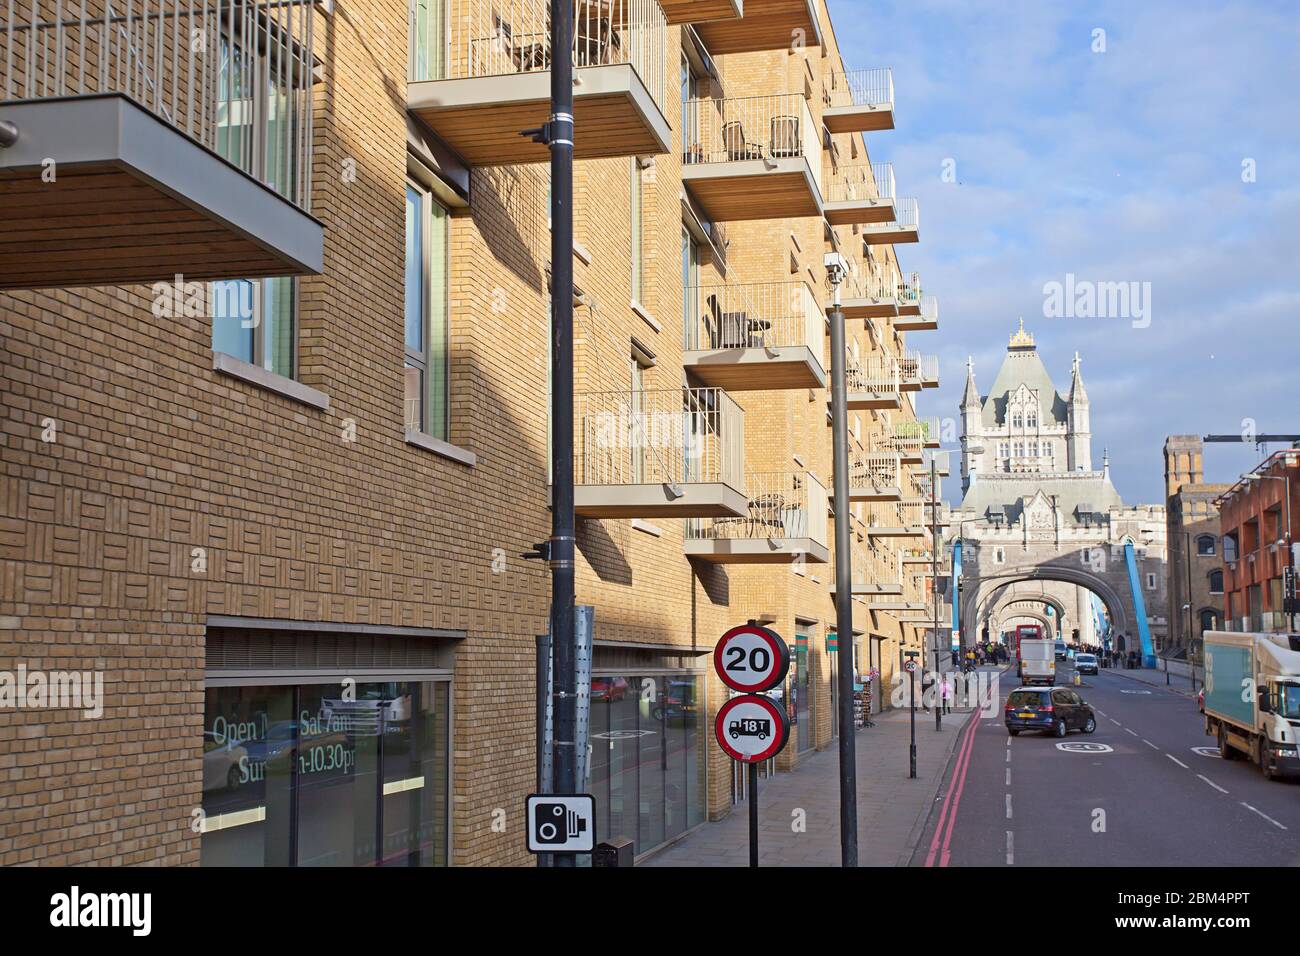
(1147,788)
(892,808)
(1177,683)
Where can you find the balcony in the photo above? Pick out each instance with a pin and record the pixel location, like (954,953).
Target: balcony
(876,476)
(752,157)
(921,315)
(940,461)
(785,522)
(901,519)
(910,437)
(870,296)
(700,11)
(917,371)
(157,176)
(876,573)
(873,383)
(755,336)
(860,101)
(766,25)
(860,194)
(905,226)
(497,80)
(662,453)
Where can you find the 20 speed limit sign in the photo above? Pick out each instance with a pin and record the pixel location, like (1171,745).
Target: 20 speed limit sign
(751,658)
(751,728)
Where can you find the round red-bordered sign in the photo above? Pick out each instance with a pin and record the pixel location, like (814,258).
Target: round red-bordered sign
(751,658)
(751,728)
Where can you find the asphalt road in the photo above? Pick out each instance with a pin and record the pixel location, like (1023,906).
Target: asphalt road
(1151,799)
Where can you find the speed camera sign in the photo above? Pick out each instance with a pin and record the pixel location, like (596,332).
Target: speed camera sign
(751,658)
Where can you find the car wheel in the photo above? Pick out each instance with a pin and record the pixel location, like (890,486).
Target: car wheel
(1013,732)
(1060,729)
(1226,750)
(232,777)
(1089,725)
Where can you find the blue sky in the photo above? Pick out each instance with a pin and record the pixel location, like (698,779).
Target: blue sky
(1117,166)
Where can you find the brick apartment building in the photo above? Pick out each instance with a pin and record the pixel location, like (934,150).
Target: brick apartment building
(1259,532)
(286,526)
(1196,553)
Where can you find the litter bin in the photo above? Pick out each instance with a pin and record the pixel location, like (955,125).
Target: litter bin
(613,853)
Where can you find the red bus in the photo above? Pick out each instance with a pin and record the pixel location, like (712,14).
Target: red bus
(1024,632)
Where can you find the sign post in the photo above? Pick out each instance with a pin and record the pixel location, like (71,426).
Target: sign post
(910,666)
(752,727)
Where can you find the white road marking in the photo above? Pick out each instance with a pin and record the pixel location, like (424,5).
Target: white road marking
(1129,730)
(1099,713)
(1008,756)
(1177,761)
(1008,806)
(1262,814)
(1114,721)
(1150,744)
(1211,783)
(1011,848)
(1008,776)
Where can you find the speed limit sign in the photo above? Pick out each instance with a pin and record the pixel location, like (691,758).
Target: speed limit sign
(751,658)
(751,728)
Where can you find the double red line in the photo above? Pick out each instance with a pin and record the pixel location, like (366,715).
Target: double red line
(952,800)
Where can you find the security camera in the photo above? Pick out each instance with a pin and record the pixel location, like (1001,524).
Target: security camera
(836,267)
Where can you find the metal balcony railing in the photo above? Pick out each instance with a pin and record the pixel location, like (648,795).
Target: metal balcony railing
(915,367)
(877,374)
(781,505)
(895,514)
(750,127)
(876,471)
(909,289)
(911,435)
(754,315)
(234,77)
(907,213)
(659,436)
(860,182)
(862,88)
(874,568)
(503,37)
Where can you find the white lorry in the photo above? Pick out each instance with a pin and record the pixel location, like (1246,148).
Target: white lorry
(1252,698)
(1037,661)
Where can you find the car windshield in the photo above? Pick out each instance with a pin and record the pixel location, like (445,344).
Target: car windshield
(1085,658)
(1025,698)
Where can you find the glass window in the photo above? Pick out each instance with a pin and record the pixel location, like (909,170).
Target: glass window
(802,690)
(314,775)
(690,290)
(1205,544)
(426,53)
(427,367)
(1216,581)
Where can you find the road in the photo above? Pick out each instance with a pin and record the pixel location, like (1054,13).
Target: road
(1152,799)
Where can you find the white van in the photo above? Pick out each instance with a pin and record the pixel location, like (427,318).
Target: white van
(1037,662)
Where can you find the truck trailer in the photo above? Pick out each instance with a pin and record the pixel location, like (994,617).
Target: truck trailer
(1252,698)
(1037,661)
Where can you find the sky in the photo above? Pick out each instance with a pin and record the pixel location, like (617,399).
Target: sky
(1164,150)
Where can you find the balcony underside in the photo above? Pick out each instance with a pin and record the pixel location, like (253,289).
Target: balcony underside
(898,606)
(747,369)
(848,212)
(481,117)
(911,385)
(872,493)
(867,308)
(911,456)
(754,189)
(873,401)
(896,531)
(889,234)
(134,200)
(687,500)
(766,25)
(875,590)
(757,551)
(858,119)
(915,323)
(700,11)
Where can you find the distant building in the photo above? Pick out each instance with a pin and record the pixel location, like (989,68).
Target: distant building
(1259,528)
(1195,547)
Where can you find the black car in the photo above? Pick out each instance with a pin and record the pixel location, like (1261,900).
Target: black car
(1054,710)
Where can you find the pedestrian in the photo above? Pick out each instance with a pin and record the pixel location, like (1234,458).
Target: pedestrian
(946,694)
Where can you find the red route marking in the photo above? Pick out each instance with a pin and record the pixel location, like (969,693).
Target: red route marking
(953,796)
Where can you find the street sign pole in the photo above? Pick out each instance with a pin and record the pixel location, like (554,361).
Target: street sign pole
(934,584)
(753,814)
(843,584)
(911,675)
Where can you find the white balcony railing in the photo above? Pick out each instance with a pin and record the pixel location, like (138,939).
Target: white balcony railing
(907,213)
(750,127)
(909,289)
(659,436)
(503,37)
(861,182)
(877,374)
(912,435)
(862,88)
(754,315)
(781,505)
(915,367)
(875,568)
(234,77)
(876,472)
(896,514)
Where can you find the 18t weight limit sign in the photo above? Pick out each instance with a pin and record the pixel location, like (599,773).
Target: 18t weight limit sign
(751,658)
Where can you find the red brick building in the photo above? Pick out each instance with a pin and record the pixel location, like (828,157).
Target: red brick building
(1259,528)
